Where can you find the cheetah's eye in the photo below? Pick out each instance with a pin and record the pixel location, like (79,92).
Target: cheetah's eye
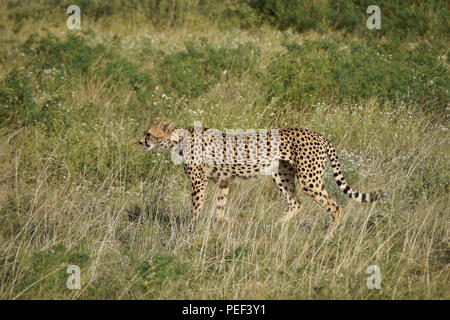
(147,135)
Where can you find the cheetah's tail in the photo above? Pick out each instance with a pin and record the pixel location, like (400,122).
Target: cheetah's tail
(345,188)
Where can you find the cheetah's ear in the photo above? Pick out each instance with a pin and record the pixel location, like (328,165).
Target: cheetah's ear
(167,127)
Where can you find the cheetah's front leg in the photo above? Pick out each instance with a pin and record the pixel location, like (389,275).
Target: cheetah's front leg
(196,174)
(222,199)
(198,195)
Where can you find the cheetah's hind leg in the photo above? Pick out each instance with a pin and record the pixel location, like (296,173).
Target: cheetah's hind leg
(285,180)
(319,194)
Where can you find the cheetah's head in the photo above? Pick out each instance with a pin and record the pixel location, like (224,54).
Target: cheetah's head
(158,135)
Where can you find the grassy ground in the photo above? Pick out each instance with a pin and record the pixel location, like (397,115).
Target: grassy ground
(76,189)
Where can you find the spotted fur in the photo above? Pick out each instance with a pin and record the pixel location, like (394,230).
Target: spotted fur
(300,153)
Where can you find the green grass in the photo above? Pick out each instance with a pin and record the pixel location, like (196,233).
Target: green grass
(75,188)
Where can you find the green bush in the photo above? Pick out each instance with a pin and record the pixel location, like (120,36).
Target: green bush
(73,58)
(18,106)
(299,15)
(49,268)
(73,54)
(193,71)
(337,70)
(121,69)
(154,274)
(243,15)
(398,18)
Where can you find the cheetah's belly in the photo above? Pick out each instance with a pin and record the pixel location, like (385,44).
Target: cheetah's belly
(244,171)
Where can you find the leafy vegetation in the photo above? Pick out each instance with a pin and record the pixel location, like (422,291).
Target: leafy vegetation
(193,71)
(352,70)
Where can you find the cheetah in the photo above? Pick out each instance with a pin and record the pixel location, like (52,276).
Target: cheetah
(285,154)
